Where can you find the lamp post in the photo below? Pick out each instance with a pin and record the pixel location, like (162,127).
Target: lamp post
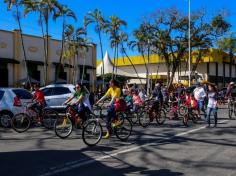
(189,42)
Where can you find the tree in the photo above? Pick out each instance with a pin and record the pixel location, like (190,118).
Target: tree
(75,41)
(114,27)
(100,24)
(47,8)
(17,4)
(64,12)
(170,37)
(143,36)
(123,39)
(228,44)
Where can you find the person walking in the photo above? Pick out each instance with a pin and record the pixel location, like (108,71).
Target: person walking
(200,95)
(212,104)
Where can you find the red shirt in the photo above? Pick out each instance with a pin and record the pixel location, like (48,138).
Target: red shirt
(192,103)
(39,96)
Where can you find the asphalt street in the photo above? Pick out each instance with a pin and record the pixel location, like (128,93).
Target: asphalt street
(170,149)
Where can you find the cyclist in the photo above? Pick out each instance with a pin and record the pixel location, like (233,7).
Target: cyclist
(212,103)
(157,94)
(82,103)
(200,95)
(114,92)
(39,100)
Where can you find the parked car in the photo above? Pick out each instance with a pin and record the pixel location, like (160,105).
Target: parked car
(57,94)
(11,101)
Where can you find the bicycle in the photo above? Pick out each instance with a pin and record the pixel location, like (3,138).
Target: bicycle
(21,122)
(190,116)
(93,130)
(231,107)
(63,125)
(148,114)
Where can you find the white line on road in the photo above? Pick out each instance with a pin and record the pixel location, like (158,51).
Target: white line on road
(68,167)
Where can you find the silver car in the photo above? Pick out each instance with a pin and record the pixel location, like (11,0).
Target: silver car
(11,101)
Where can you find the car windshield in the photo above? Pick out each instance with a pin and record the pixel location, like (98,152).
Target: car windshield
(22,93)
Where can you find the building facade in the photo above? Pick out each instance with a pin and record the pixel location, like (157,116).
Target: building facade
(214,66)
(12,64)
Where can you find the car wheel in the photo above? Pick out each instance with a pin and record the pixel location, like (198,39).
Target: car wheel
(5,119)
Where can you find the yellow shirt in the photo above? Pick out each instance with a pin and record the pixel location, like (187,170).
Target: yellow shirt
(113,92)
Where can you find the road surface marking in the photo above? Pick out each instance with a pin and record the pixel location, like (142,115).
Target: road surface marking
(68,167)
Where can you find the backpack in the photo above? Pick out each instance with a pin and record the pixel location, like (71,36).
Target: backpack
(120,105)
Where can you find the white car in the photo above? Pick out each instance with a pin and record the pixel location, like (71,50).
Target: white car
(57,94)
(11,101)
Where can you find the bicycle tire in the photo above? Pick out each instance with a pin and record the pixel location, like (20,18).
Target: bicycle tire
(144,119)
(230,110)
(119,130)
(161,115)
(182,110)
(49,118)
(185,120)
(20,122)
(86,130)
(65,123)
(194,118)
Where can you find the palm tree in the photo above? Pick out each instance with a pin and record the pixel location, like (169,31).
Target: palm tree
(123,37)
(47,8)
(34,6)
(228,44)
(17,4)
(114,26)
(64,12)
(75,41)
(100,24)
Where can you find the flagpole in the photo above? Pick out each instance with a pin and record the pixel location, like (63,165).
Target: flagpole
(189,42)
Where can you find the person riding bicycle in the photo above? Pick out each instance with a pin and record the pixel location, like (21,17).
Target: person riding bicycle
(82,103)
(114,92)
(39,100)
(191,103)
(200,95)
(157,94)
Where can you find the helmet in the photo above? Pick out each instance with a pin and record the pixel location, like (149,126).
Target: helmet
(231,83)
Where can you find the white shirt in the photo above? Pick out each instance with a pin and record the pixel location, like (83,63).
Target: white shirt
(199,93)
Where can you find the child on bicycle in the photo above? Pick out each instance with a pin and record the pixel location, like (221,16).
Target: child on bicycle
(136,100)
(174,104)
(192,103)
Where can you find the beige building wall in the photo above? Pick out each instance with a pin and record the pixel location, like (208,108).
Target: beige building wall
(11,48)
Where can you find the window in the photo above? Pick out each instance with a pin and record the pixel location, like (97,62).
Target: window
(60,90)
(22,93)
(1,94)
(47,91)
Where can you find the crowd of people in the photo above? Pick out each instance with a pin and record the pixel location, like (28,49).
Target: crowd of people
(202,99)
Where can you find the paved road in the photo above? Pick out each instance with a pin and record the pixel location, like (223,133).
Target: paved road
(170,149)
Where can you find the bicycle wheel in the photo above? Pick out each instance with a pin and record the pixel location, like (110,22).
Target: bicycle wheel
(161,117)
(182,110)
(123,131)
(230,110)
(92,132)
(185,120)
(49,118)
(144,119)
(63,127)
(194,118)
(21,122)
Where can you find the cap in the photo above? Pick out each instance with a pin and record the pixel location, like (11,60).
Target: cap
(231,83)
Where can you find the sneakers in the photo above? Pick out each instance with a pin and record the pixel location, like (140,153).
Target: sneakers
(107,136)
(117,123)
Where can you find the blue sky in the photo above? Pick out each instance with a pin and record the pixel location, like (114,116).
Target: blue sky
(130,10)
